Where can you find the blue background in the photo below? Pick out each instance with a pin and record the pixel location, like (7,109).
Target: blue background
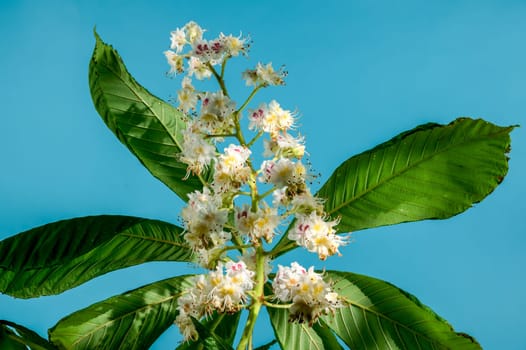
(359,73)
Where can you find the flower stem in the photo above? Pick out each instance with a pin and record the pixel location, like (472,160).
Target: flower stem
(257,301)
(251,142)
(249,98)
(218,78)
(277,306)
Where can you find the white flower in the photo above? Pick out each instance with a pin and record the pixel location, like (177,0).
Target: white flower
(198,68)
(317,235)
(279,197)
(268,75)
(193,32)
(234,158)
(178,40)
(284,145)
(217,104)
(251,77)
(231,169)
(240,274)
(282,172)
(233,45)
(175,61)
(272,119)
(196,152)
(257,117)
(204,220)
(186,327)
(259,224)
(187,99)
(287,281)
(277,118)
(264,75)
(306,203)
(310,294)
(228,290)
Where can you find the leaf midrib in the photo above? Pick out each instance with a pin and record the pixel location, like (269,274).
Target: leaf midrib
(60,264)
(94,330)
(413,165)
(395,322)
(134,92)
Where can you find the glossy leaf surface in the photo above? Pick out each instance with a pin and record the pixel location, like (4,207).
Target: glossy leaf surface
(431,172)
(382,316)
(151,128)
(133,320)
(58,256)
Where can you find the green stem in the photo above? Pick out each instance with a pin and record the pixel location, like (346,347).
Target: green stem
(218,78)
(277,306)
(219,135)
(223,66)
(286,247)
(251,142)
(257,301)
(263,195)
(234,247)
(249,98)
(203,181)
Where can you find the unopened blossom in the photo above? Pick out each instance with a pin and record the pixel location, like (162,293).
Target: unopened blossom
(317,235)
(196,153)
(311,296)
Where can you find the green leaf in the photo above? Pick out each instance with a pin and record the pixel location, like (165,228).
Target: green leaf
(382,316)
(266,346)
(21,338)
(293,336)
(58,256)
(133,320)
(151,128)
(327,336)
(9,340)
(209,339)
(226,330)
(431,172)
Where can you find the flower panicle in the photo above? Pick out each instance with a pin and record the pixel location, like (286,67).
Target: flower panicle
(243,205)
